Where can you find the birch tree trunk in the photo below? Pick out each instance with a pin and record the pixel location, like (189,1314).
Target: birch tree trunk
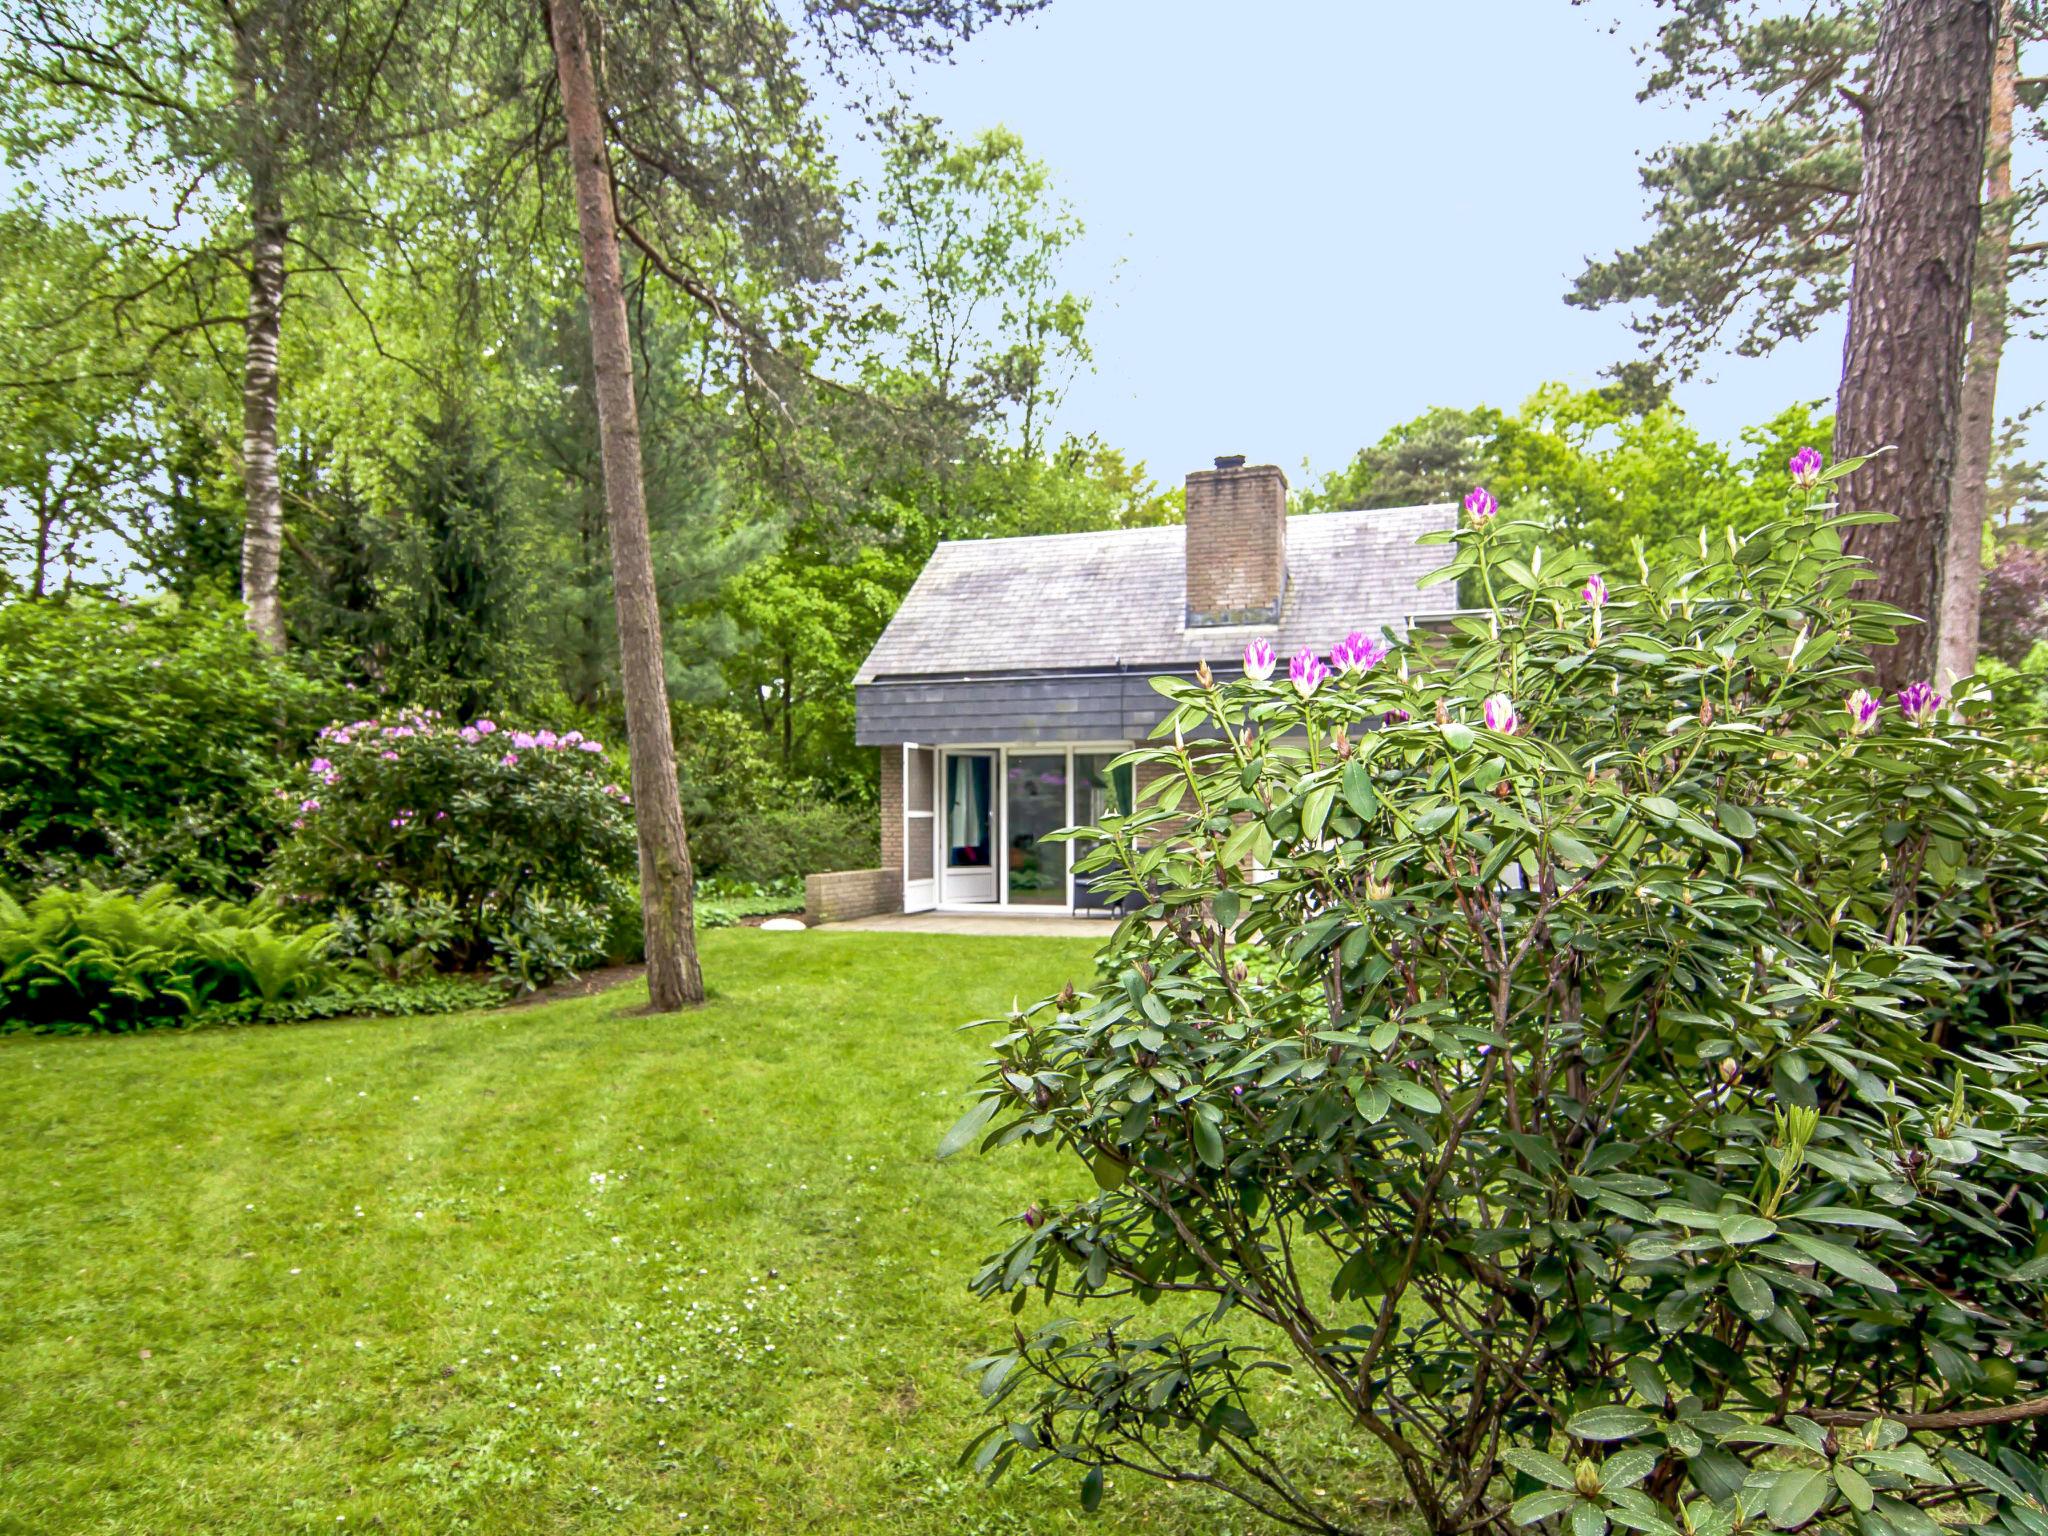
(674,979)
(263,528)
(1962,576)
(1909,301)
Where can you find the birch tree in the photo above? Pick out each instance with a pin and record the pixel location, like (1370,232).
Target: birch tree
(261,141)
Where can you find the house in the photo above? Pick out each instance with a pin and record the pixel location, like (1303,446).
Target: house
(1018,669)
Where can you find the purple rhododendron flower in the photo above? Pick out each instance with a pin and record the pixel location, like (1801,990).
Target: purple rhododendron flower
(319,765)
(1595,591)
(1259,661)
(1805,466)
(389,757)
(1357,652)
(510,760)
(1919,703)
(589,746)
(1479,504)
(485,727)
(1863,712)
(1500,714)
(306,807)
(1307,671)
(526,741)
(1398,717)
(470,734)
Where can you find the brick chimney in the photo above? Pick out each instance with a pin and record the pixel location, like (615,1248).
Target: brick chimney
(1236,543)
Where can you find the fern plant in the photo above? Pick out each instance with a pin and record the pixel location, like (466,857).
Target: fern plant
(84,959)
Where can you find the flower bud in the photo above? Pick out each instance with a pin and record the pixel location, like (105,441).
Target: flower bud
(1731,1071)
(1034,1218)
(1203,675)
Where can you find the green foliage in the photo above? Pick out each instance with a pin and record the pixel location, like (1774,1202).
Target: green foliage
(1753,225)
(1598,470)
(433,847)
(92,960)
(722,903)
(364,994)
(423,592)
(782,840)
(140,739)
(1555,1041)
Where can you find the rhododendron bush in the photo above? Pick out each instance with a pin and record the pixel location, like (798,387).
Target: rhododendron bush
(1549,1039)
(433,846)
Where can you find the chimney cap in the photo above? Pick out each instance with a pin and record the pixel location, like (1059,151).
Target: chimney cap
(1230,461)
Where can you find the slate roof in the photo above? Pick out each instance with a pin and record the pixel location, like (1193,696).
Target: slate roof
(1117,599)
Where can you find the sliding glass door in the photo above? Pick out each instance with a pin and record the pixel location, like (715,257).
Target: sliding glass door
(992,811)
(1035,787)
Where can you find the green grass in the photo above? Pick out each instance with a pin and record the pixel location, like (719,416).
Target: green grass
(563,1269)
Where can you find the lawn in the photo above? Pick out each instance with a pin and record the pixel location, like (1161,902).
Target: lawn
(561,1269)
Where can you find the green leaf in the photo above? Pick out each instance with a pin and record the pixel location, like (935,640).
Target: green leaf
(1315,810)
(1572,851)
(1750,1293)
(1224,907)
(969,1125)
(1611,1422)
(1855,1487)
(1358,793)
(1846,1262)
(1208,1143)
(1588,1519)
(1433,819)
(1797,1496)
(1109,1173)
(1735,821)
(1740,1228)
(1980,1471)
(1414,1095)
(1239,843)
(1541,1505)
(1659,807)
(1644,1376)
(1091,1490)
(1545,1469)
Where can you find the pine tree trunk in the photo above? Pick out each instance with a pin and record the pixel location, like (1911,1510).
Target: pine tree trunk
(1909,301)
(673,977)
(1962,577)
(263,528)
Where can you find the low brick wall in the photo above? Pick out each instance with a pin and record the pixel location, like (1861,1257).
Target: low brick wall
(849,893)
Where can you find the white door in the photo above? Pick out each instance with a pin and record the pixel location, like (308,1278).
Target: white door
(967,827)
(920,829)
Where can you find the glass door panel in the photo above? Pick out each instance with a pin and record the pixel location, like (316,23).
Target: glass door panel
(968,814)
(1099,791)
(1036,786)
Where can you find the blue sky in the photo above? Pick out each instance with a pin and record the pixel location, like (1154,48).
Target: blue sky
(1308,221)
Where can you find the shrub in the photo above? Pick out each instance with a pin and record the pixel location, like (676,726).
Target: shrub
(432,847)
(140,739)
(786,836)
(87,959)
(722,903)
(1526,1036)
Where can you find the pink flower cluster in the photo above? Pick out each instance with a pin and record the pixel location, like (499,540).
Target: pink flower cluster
(1918,704)
(422,723)
(1356,653)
